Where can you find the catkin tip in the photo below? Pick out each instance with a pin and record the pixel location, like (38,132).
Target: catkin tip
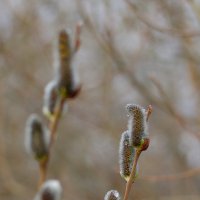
(50,190)
(112,195)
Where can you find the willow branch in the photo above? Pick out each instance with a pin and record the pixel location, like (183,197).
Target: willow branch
(173,177)
(151,24)
(132,175)
(53,125)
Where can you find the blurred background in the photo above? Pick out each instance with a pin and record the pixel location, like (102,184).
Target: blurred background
(142,52)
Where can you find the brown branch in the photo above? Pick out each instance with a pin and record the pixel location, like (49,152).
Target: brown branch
(53,125)
(106,41)
(151,24)
(132,175)
(178,176)
(43,171)
(167,103)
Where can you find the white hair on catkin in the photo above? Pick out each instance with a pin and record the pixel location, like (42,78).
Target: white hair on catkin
(112,195)
(50,190)
(137,125)
(37,137)
(126,156)
(50,98)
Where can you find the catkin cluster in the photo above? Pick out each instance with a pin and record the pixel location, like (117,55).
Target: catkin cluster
(64,84)
(38,138)
(132,139)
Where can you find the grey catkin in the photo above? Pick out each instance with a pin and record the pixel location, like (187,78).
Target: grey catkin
(50,98)
(50,190)
(64,71)
(37,137)
(112,195)
(137,125)
(126,155)
(65,74)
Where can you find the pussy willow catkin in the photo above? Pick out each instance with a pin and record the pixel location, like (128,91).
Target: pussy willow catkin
(50,98)
(112,195)
(50,190)
(126,155)
(137,125)
(65,74)
(37,137)
(64,69)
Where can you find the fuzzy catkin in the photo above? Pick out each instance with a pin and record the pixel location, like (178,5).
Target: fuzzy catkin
(126,156)
(137,125)
(65,77)
(50,98)
(37,137)
(112,195)
(50,190)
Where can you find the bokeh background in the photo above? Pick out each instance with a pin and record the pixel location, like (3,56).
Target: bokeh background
(143,52)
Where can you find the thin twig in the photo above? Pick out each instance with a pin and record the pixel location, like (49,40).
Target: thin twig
(178,176)
(172,31)
(43,171)
(132,176)
(166,101)
(53,125)
(77,41)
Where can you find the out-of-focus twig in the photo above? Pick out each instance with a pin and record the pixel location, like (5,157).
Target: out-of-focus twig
(159,28)
(53,125)
(178,176)
(107,43)
(77,41)
(166,101)
(180,119)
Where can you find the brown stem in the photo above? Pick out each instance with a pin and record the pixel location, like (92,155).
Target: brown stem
(132,176)
(173,177)
(43,165)
(43,171)
(54,124)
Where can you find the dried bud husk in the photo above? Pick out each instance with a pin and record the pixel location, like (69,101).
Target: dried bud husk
(65,76)
(50,99)
(37,137)
(50,190)
(112,195)
(137,126)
